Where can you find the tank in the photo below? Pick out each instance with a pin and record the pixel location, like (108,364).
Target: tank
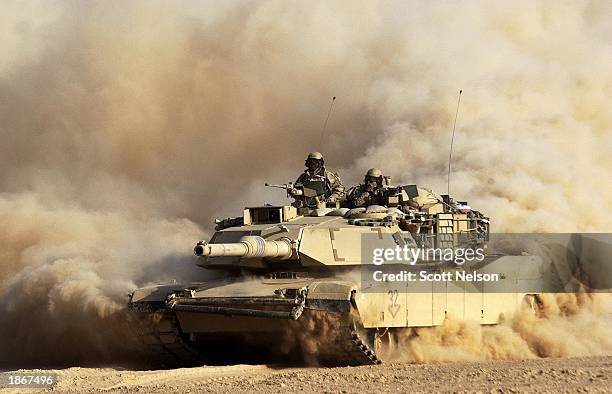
(300,282)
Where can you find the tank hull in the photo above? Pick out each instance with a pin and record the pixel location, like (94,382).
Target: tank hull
(329,321)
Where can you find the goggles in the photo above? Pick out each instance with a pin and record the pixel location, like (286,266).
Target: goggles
(369,179)
(312,161)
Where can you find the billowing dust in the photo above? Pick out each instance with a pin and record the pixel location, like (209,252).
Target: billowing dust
(127,127)
(66,277)
(565,325)
(558,325)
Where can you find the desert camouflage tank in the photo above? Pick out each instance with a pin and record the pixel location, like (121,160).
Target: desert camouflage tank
(301,282)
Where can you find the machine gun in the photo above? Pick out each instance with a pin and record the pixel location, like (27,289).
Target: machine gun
(310,194)
(291,188)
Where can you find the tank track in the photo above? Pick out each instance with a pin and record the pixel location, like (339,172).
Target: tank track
(166,345)
(160,333)
(360,352)
(347,348)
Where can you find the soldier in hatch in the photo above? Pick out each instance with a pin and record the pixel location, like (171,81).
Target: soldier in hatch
(371,192)
(315,171)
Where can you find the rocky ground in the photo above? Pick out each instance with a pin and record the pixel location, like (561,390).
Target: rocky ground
(591,374)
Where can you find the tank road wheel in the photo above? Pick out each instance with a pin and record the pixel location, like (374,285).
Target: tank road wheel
(533,303)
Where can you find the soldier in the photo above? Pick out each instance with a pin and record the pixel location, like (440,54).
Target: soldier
(315,170)
(371,192)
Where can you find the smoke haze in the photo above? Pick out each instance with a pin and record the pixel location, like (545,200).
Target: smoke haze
(558,332)
(127,127)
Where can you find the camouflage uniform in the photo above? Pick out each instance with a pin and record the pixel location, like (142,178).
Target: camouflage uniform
(358,196)
(335,188)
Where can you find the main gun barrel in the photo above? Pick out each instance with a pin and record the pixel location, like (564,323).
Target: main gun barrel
(251,246)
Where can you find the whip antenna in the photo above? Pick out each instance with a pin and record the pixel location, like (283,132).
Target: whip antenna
(450,155)
(331,106)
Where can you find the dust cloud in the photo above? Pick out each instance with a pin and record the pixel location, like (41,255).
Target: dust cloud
(558,330)
(127,128)
(66,277)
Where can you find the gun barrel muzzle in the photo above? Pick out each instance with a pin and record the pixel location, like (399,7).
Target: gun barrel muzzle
(250,246)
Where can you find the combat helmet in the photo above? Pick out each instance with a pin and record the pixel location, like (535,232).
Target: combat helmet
(314,156)
(374,173)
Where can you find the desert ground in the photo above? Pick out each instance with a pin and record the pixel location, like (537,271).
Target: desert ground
(552,375)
